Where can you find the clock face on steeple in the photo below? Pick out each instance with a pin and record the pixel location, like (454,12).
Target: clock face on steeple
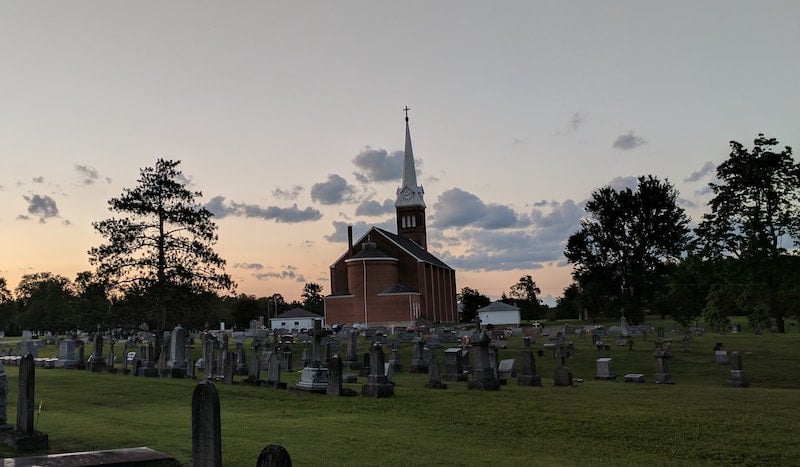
(406,194)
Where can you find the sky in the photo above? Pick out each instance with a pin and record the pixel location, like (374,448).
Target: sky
(288,117)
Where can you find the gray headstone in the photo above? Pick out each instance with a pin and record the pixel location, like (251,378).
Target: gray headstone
(177,348)
(3,396)
(334,376)
(274,456)
(25,403)
(206,431)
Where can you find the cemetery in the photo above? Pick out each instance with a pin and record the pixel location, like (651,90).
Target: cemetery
(558,393)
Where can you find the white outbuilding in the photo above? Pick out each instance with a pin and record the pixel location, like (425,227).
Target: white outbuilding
(295,320)
(500,314)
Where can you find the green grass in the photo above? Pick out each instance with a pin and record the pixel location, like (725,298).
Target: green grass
(697,421)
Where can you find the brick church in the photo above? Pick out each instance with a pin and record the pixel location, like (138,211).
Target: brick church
(391,279)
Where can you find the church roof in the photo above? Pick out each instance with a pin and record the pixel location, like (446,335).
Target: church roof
(409,246)
(371,252)
(419,253)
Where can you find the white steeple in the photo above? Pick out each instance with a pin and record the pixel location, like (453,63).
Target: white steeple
(409,193)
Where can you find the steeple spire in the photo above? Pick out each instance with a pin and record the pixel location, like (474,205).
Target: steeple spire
(409,193)
(409,171)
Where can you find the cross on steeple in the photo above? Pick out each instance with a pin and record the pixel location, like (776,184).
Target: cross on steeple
(406,111)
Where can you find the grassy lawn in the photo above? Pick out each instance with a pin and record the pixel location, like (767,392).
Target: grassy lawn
(697,421)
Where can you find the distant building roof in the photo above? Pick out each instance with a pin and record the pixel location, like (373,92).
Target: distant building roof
(297,313)
(499,306)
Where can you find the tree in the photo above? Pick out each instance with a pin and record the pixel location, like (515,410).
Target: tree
(311,298)
(163,247)
(46,302)
(471,300)
(8,310)
(755,213)
(525,293)
(626,242)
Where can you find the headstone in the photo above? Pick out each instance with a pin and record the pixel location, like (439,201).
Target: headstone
(274,456)
(286,362)
(3,399)
(562,376)
(377,385)
(206,431)
(208,355)
(624,329)
(314,377)
(434,377)
(773,325)
(241,360)
(334,376)
(737,378)
(454,364)
(662,357)
(66,354)
(418,362)
(394,361)
(254,368)
(28,347)
(506,368)
(634,378)
(483,375)
(274,372)
(25,437)
(686,341)
(527,375)
(230,367)
(96,361)
(177,351)
(604,369)
(721,357)
(351,359)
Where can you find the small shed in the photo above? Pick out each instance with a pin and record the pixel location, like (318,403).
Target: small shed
(500,314)
(296,319)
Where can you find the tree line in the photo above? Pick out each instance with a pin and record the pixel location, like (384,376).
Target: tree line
(636,253)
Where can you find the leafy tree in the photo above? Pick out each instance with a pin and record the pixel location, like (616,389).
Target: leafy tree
(163,246)
(46,302)
(8,310)
(755,214)
(525,293)
(311,298)
(92,305)
(626,242)
(471,300)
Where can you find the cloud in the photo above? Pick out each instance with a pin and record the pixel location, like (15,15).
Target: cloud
(536,240)
(374,208)
(629,141)
(41,206)
(334,191)
(704,170)
(289,272)
(623,183)
(88,175)
(459,208)
(253,266)
(290,194)
(377,165)
(221,209)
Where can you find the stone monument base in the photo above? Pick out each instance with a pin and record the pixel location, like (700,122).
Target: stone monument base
(22,441)
(738,380)
(532,380)
(313,380)
(454,377)
(663,378)
(485,384)
(377,390)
